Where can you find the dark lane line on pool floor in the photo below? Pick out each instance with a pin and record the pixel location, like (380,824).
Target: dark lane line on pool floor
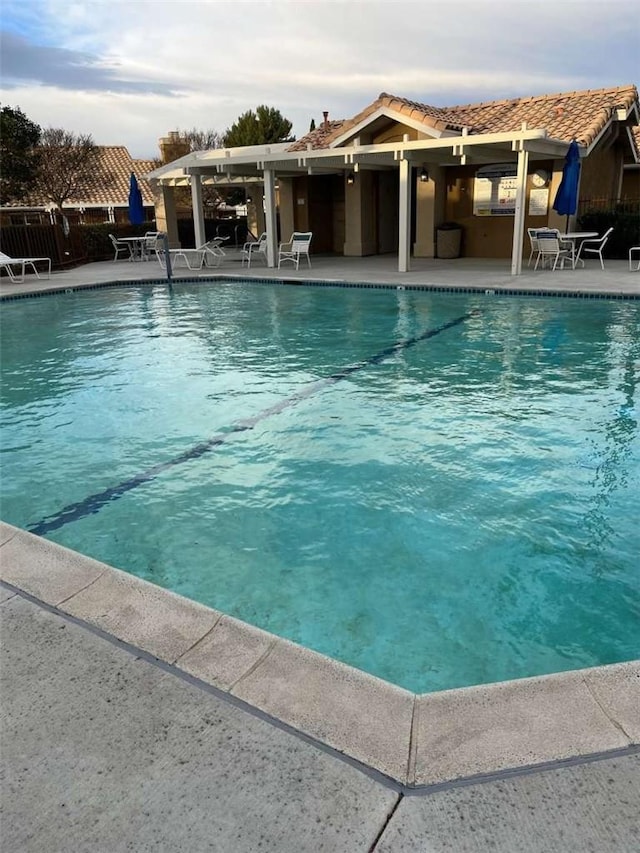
(93,503)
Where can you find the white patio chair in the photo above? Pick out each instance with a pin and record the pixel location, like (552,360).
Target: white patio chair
(148,247)
(550,246)
(121,246)
(7,264)
(298,245)
(594,247)
(533,240)
(631,252)
(253,248)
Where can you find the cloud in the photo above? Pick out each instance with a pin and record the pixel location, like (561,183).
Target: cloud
(24,62)
(129,71)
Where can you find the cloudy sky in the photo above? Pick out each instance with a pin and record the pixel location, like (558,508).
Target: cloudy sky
(129,71)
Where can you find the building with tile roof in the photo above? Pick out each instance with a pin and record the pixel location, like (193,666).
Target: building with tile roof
(104,198)
(386,179)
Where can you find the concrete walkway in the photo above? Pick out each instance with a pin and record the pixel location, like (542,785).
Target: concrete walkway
(104,750)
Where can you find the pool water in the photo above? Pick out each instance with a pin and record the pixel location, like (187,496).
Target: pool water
(439,489)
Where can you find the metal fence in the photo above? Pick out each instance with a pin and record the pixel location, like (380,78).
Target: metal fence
(44,241)
(605,205)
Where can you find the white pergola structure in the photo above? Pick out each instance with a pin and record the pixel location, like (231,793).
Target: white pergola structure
(263,165)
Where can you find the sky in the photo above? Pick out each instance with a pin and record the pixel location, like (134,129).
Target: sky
(130,71)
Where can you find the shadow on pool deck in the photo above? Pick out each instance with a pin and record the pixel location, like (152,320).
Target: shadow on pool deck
(135,719)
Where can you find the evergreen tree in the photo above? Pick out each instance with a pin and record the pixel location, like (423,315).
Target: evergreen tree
(265,126)
(19,137)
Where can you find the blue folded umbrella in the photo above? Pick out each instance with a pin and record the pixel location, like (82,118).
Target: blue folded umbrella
(136,207)
(566,200)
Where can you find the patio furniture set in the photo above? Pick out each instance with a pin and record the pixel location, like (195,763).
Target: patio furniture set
(550,245)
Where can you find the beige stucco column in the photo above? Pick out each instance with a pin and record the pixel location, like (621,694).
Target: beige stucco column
(429,212)
(166,219)
(359,216)
(286,208)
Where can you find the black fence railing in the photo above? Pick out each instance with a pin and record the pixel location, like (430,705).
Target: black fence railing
(600,214)
(91,242)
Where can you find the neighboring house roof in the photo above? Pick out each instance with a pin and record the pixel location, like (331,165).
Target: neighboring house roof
(109,185)
(571,115)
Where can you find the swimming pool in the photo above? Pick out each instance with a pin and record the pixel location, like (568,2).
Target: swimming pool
(438,489)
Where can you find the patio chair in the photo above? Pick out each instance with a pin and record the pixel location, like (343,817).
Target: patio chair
(550,246)
(121,246)
(7,264)
(632,251)
(594,247)
(533,242)
(298,245)
(148,247)
(254,247)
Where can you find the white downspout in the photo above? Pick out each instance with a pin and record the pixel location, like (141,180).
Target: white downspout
(404,231)
(518,220)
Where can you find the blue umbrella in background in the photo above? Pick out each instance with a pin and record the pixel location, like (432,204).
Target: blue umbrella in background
(136,207)
(566,201)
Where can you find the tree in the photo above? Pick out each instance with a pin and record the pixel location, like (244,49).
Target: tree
(67,162)
(265,126)
(202,140)
(312,126)
(18,138)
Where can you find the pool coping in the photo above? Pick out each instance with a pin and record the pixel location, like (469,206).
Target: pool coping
(415,740)
(43,287)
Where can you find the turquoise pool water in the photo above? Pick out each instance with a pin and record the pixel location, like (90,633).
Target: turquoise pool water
(440,489)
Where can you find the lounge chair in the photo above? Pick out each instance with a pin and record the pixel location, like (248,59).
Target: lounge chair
(210,254)
(7,263)
(253,248)
(213,253)
(297,245)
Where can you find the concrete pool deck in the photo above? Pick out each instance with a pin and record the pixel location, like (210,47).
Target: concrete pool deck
(161,724)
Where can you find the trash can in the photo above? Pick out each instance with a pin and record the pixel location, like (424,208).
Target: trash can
(448,240)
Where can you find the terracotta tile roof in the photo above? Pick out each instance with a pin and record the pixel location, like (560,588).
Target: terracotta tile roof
(571,115)
(110,184)
(580,115)
(319,137)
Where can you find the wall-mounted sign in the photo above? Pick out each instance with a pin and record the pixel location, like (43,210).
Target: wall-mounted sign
(538,202)
(494,190)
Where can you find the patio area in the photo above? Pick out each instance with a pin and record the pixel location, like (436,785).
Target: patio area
(134,719)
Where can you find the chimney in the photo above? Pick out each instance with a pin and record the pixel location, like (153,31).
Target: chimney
(325,119)
(172,146)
